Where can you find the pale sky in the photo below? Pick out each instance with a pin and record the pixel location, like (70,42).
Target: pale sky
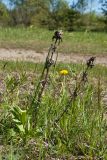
(95,4)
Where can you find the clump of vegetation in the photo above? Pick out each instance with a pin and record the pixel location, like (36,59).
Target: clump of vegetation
(38,39)
(56,114)
(54,14)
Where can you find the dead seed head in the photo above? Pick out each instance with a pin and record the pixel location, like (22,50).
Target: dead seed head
(90,62)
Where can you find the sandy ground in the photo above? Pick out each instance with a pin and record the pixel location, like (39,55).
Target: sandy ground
(30,55)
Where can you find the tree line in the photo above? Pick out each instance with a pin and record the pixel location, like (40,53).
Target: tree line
(54,14)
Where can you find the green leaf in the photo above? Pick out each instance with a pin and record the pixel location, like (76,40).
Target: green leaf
(23,117)
(21,128)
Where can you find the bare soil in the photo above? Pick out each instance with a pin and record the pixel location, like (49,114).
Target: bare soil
(31,55)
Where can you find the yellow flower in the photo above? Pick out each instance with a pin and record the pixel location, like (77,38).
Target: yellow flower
(64,72)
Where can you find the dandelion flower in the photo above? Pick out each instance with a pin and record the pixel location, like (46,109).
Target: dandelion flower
(64,72)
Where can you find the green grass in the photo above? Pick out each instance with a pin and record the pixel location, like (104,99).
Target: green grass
(11,66)
(39,39)
(29,130)
(80,133)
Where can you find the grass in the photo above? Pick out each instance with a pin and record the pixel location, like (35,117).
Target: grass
(39,40)
(80,133)
(44,118)
(11,66)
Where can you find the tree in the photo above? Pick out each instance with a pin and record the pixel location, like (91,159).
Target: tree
(25,11)
(57,9)
(71,20)
(4,15)
(82,5)
(51,15)
(104,10)
(21,12)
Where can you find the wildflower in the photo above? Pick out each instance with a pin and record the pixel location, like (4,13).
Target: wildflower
(64,72)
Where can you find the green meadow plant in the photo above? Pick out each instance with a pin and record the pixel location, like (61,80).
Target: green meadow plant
(21,122)
(56,115)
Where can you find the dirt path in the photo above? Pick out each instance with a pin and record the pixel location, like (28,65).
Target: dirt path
(30,55)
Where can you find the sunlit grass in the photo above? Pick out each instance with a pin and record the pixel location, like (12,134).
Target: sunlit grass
(98,70)
(81,132)
(39,40)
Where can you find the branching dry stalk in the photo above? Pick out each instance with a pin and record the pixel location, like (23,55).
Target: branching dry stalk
(77,90)
(45,75)
(57,38)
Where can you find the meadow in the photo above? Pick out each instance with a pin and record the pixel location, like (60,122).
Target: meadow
(53,111)
(39,40)
(79,134)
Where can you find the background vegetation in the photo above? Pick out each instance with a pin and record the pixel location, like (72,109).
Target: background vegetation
(39,39)
(54,14)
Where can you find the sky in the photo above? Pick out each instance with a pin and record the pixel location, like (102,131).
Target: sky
(96,6)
